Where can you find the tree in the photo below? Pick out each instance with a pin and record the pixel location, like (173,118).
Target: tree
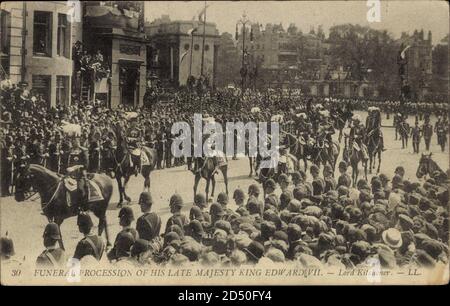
(365,53)
(228,61)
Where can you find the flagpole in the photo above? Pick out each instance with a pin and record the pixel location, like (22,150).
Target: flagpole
(192,47)
(203,44)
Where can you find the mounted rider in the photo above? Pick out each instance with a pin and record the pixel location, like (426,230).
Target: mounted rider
(373,125)
(77,168)
(357,135)
(134,137)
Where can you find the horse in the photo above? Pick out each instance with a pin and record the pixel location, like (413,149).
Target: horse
(374,149)
(298,148)
(50,187)
(124,169)
(339,122)
(354,157)
(373,143)
(207,171)
(427,166)
(320,153)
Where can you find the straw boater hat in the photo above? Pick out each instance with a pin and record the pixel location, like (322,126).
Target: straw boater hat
(392,237)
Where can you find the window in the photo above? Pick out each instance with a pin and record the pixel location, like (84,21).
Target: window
(186,47)
(206,47)
(41,86)
(5,25)
(63,35)
(62,84)
(42,33)
(196,47)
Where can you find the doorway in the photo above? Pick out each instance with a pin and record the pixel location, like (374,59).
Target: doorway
(129,84)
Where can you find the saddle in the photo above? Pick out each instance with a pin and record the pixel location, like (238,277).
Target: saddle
(138,153)
(71,189)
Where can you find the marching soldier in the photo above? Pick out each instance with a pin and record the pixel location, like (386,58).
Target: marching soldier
(441,131)
(91,244)
(416,134)
(53,256)
(427,130)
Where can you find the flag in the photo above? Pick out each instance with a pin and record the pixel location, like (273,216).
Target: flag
(201,16)
(403,53)
(183,56)
(192,31)
(251,34)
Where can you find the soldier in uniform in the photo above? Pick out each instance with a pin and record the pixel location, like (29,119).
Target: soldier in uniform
(54,153)
(148,225)
(441,131)
(91,244)
(160,146)
(77,168)
(416,134)
(134,140)
(126,237)
(427,130)
(357,135)
(52,256)
(175,204)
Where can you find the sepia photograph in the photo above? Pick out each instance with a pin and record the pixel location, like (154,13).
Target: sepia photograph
(224,143)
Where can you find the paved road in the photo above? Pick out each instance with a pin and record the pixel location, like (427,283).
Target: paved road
(25,224)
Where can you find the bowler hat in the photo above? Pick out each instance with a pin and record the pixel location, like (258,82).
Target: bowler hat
(255,250)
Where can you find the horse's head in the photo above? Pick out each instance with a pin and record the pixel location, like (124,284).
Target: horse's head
(424,165)
(23,182)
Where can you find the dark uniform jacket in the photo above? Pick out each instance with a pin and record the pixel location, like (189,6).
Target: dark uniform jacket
(51,258)
(148,226)
(90,245)
(178,219)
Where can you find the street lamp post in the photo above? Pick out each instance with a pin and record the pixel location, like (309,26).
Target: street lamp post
(243,22)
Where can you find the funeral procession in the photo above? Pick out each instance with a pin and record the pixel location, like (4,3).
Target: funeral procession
(154,134)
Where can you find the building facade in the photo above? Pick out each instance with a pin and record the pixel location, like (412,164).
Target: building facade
(116,33)
(175,54)
(420,62)
(36,47)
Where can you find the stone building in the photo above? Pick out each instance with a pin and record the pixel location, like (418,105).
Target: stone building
(118,34)
(419,55)
(36,40)
(175,54)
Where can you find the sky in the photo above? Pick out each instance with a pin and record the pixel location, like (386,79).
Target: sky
(396,16)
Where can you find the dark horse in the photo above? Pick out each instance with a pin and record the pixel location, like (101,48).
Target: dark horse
(429,167)
(298,148)
(207,171)
(374,142)
(124,168)
(50,186)
(354,157)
